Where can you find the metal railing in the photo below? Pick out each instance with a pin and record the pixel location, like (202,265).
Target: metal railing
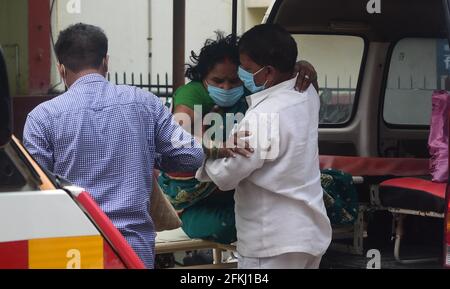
(162,88)
(416,83)
(336,103)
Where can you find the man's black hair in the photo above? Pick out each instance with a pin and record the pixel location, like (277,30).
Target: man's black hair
(212,53)
(270,44)
(81,46)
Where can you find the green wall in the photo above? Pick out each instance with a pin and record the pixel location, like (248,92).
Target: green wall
(14,31)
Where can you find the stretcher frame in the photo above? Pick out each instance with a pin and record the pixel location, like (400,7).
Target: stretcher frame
(399,216)
(182,243)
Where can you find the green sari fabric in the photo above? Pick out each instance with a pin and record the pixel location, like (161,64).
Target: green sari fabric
(340,196)
(184,192)
(212,219)
(209,214)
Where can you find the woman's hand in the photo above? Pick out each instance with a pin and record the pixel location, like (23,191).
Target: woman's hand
(239,146)
(234,147)
(307,75)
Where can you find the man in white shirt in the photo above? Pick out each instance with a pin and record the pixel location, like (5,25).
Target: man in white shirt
(281,219)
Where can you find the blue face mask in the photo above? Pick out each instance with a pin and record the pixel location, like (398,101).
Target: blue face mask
(249,80)
(225,98)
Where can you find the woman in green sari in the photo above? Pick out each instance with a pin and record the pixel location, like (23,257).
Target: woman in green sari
(206,212)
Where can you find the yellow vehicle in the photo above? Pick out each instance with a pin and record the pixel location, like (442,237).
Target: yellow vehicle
(45,222)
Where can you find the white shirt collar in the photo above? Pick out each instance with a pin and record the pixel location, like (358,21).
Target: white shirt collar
(255,99)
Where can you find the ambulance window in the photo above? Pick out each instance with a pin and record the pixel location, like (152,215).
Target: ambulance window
(337,59)
(418,67)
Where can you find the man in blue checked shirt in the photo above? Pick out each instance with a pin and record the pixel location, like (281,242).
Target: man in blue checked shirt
(108,138)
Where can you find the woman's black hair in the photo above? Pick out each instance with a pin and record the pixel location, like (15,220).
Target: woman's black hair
(213,52)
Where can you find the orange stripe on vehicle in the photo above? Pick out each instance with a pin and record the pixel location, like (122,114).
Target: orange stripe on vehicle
(66,253)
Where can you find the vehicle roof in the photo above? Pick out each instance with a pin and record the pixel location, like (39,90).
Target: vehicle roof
(398,18)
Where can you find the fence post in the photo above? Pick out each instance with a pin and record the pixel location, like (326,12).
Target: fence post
(158,88)
(150,82)
(350,90)
(338,91)
(168,104)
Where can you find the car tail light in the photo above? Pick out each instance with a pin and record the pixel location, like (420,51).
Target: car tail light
(16,255)
(117,252)
(110,259)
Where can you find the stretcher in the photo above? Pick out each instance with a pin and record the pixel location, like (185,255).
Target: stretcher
(409,197)
(177,241)
(405,190)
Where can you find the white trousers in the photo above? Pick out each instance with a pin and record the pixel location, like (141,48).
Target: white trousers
(285,261)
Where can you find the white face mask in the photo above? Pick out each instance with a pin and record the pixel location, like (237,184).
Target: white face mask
(249,80)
